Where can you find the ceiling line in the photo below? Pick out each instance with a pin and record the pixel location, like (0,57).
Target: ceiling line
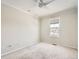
(20,9)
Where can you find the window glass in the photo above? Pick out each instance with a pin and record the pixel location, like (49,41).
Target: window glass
(54,27)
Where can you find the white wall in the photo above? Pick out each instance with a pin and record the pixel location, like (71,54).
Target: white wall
(18,29)
(68,28)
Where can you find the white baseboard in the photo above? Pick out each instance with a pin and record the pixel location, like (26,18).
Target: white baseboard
(12,51)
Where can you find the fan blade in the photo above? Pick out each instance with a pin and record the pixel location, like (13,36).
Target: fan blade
(41,1)
(48,2)
(41,4)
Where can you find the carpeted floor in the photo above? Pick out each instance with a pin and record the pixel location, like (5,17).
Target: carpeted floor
(44,51)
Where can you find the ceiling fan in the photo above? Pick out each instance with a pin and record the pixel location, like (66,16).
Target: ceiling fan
(42,3)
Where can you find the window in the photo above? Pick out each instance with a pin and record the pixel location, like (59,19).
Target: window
(54,27)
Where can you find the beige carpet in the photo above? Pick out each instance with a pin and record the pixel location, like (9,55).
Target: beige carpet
(44,51)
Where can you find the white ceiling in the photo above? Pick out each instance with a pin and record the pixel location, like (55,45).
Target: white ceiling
(26,5)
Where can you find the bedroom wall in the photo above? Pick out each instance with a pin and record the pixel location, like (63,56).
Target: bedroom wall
(18,29)
(68,28)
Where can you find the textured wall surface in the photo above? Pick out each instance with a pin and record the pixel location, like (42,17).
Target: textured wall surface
(18,29)
(68,28)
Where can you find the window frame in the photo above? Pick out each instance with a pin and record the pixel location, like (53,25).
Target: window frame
(58,20)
